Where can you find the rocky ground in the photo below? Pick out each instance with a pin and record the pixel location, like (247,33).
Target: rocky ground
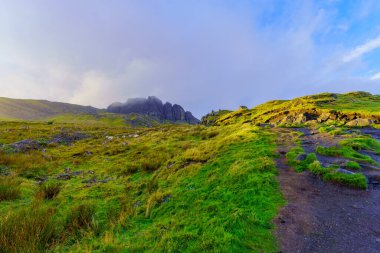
(321,216)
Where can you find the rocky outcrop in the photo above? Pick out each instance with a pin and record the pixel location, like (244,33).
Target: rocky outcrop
(152,106)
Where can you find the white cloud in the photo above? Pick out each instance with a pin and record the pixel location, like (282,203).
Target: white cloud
(203,55)
(375,76)
(362,49)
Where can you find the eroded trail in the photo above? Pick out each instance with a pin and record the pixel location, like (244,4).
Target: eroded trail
(321,216)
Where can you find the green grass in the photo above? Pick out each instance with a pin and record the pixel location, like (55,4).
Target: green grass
(9,189)
(362,143)
(30,229)
(167,188)
(345,151)
(356,180)
(50,190)
(328,109)
(353,165)
(312,164)
(332,130)
(299,165)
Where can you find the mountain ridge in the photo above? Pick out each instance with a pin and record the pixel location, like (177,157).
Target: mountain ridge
(34,109)
(154,107)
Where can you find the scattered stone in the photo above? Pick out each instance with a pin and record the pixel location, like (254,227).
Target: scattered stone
(41,180)
(109,138)
(133,136)
(63,176)
(77,173)
(340,170)
(166,198)
(68,137)
(106,180)
(301,157)
(360,123)
(137,204)
(88,153)
(170,165)
(90,181)
(4,171)
(25,145)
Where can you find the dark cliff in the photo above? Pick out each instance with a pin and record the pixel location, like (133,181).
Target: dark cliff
(154,107)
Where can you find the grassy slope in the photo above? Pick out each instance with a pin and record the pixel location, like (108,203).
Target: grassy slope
(187,188)
(42,110)
(361,103)
(29,109)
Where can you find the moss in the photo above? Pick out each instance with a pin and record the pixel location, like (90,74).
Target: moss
(356,180)
(353,165)
(347,152)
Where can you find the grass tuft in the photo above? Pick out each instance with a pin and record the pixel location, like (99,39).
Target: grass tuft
(50,190)
(9,189)
(28,230)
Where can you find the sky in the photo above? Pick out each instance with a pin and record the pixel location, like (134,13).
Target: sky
(202,54)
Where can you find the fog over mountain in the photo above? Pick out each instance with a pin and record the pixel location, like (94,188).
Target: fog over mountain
(204,55)
(154,107)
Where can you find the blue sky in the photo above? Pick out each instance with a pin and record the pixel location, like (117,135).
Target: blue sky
(204,55)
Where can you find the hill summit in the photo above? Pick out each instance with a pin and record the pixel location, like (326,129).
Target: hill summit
(154,107)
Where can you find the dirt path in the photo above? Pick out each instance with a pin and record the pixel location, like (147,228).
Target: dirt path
(322,217)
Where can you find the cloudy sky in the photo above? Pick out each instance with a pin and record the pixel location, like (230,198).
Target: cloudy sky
(201,54)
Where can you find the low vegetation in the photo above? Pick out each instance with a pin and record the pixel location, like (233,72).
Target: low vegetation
(192,188)
(346,152)
(355,180)
(92,183)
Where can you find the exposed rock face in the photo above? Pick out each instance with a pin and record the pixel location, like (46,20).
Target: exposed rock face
(154,107)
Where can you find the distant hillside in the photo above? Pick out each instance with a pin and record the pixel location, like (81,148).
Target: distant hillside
(352,109)
(154,107)
(29,109)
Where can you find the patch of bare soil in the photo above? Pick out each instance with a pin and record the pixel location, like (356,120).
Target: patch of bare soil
(321,216)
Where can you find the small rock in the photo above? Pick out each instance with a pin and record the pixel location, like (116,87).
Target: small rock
(301,157)
(169,165)
(106,180)
(166,198)
(41,180)
(64,176)
(90,181)
(340,170)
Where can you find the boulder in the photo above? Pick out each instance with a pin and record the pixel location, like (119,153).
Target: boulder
(301,157)
(359,122)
